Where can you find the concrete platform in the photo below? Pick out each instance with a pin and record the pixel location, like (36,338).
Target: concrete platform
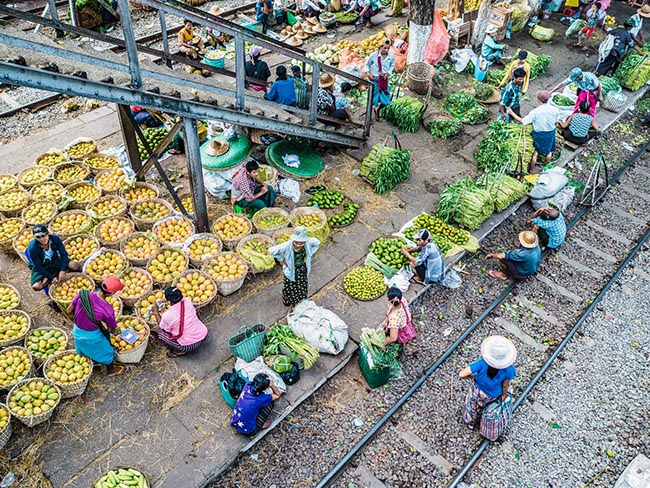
(636,475)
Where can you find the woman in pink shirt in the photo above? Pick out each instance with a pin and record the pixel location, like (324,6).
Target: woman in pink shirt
(179,327)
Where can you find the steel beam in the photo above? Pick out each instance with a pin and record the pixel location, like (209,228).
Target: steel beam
(195,170)
(165,39)
(129,136)
(131,46)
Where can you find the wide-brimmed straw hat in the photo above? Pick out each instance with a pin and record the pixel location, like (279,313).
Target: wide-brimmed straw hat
(299,235)
(302,35)
(308,30)
(319,28)
(325,80)
(294,41)
(297,27)
(312,20)
(528,239)
(644,11)
(216,147)
(498,351)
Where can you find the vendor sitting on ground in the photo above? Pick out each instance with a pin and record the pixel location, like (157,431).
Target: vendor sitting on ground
(543,119)
(312,8)
(248,191)
(326,103)
(341,100)
(581,126)
(520,62)
(282,8)
(180,329)
(509,102)
(263,12)
(254,406)
(490,49)
(589,88)
(519,264)
(429,265)
(549,225)
(48,258)
(366,10)
(188,43)
(258,69)
(283,90)
(397,326)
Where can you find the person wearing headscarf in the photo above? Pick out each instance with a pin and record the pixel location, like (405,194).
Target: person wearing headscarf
(283,89)
(509,102)
(519,264)
(589,88)
(295,255)
(520,62)
(379,66)
(490,376)
(179,327)
(429,265)
(623,41)
(257,69)
(94,319)
(48,259)
(254,406)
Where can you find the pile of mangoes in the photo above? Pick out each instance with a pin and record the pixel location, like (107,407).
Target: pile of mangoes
(68,368)
(15,364)
(197,286)
(231,227)
(80,247)
(106,263)
(72,222)
(44,342)
(167,265)
(111,179)
(174,230)
(66,290)
(33,398)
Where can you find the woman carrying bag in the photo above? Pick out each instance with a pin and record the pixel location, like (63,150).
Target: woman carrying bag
(398,326)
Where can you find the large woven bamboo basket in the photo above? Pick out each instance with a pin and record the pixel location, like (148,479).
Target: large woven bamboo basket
(197,260)
(133,356)
(111,181)
(39,212)
(13,201)
(269,175)
(226,286)
(15,339)
(142,258)
(132,274)
(144,307)
(320,231)
(230,243)
(198,303)
(145,224)
(99,162)
(39,358)
(187,201)
(102,275)
(27,372)
(33,175)
(68,389)
(14,301)
(268,242)
(77,250)
(6,243)
(31,421)
(52,158)
(86,191)
(267,212)
(7,182)
(21,241)
(177,240)
(85,281)
(114,239)
(5,433)
(72,172)
(83,223)
(48,190)
(80,148)
(161,280)
(118,207)
(139,191)
(419,77)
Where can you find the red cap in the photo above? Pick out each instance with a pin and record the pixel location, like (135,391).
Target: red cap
(112,284)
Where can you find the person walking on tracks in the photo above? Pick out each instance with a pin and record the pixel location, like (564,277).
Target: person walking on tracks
(490,376)
(549,225)
(519,264)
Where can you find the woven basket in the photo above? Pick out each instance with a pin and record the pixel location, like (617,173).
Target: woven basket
(18,338)
(56,193)
(81,259)
(226,287)
(133,356)
(5,433)
(205,236)
(7,243)
(231,244)
(265,212)
(86,224)
(247,343)
(320,231)
(26,374)
(173,218)
(82,203)
(103,179)
(5,287)
(71,149)
(197,304)
(99,162)
(184,199)
(147,314)
(122,207)
(135,193)
(46,218)
(18,243)
(140,261)
(269,242)
(269,175)
(7,182)
(117,272)
(34,419)
(279,235)
(116,303)
(39,360)
(146,224)
(68,390)
(130,301)
(72,172)
(160,281)
(13,211)
(56,156)
(115,242)
(614,101)
(63,304)
(328,21)
(419,77)
(40,173)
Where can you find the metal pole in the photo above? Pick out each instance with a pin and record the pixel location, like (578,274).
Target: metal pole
(131,46)
(196,174)
(165,38)
(240,71)
(313,103)
(55,16)
(73,12)
(129,136)
(369,107)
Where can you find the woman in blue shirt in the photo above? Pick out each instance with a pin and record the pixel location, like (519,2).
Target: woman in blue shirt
(490,376)
(253,406)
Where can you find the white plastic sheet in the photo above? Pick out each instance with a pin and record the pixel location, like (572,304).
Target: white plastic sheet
(257,365)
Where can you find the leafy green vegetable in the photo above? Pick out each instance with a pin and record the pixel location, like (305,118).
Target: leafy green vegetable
(386,169)
(482,91)
(562,101)
(281,337)
(504,144)
(373,340)
(444,129)
(609,84)
(504,189)
(461,101)
(466,203)
(405,113)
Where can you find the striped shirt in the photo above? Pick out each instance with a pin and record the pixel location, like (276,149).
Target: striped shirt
(580,125)
(510,95)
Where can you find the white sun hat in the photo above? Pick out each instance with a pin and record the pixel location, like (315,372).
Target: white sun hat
(498,351)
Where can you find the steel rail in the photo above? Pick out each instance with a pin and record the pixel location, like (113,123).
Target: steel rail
(34,10)
(343,462)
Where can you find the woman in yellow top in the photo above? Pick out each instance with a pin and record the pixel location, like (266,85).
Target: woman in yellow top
(186,41)
(520,62)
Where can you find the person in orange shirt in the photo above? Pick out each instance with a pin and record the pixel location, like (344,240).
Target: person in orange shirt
(188,43)
(520,62)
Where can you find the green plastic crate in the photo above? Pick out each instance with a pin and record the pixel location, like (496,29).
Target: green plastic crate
(376,376)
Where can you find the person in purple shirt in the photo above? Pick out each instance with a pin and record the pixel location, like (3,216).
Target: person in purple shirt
(91,310)
(253,406)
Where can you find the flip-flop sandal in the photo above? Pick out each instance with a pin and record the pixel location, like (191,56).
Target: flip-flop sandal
(119,371)
(494,274)
(172,354)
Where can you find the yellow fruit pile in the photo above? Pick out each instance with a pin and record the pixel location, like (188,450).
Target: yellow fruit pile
(284,237)
(106,207)
(197,286)
(36,174)
(33,398)
(226,266)
(136,283)
(311,220)
(167,265)
(144,306)
(51,159)
(84,192)
(107,263)
(271,221)
(111,180)
(174,230)
(10,228)
(9,298)
(15,364)
(68,368)
(102,162)
(231,227)
(4,418)
(13,326)
(42,343)
(81,149)
(187,202)
(70,223)
(136,325)
(139,193)
(371,44)
(139,247)
(49,190)
(22,239)
(353,46)
(114,229)
(471,5)
(7,182)
(67,289)
(70,173)
(13,200)
(39,212)
(80,247)
(150,210)
(203,248)
(116,303)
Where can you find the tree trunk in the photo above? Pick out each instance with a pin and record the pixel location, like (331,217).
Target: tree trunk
(421,22)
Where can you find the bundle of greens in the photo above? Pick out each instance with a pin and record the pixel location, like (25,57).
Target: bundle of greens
(461,102)
(562,101)
(609,84)
(405,113)
(505,143)
(494,76)
(476,115)
(386,169)
(466,203)
(373,340)
(444,129)
(280,339)
(634,70)
(482,91)
(504,189)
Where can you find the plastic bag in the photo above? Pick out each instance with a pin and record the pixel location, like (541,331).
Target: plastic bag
(257,365)
(350,58)
(399,281)
(438,43)
(452,279)
(289,188)
(319,327)
(218,183)
(562,199)
(233,383)
(292,376)
(400,59)
(574,29)
(549,183)
(461,58)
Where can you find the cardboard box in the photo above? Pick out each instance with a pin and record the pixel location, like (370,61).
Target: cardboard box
(499,16)
(501,32)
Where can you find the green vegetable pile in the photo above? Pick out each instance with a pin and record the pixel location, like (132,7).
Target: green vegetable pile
(444,129)
(373,341)
(436,226)
(405,113)
(562,101)
(389,251)
(476,115)
(504,189)
(344,218)
(494,77)
(634,70)
(364,283)
(504,144)
(346,17)
(482,91)
(373,262)
(461,101)
(466,203)
(609,84)
(357,97)
(326,199)
(154,136)
(386,170)
(467,108)
(538,66)
(442,242)
(643,105)
(280,339)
